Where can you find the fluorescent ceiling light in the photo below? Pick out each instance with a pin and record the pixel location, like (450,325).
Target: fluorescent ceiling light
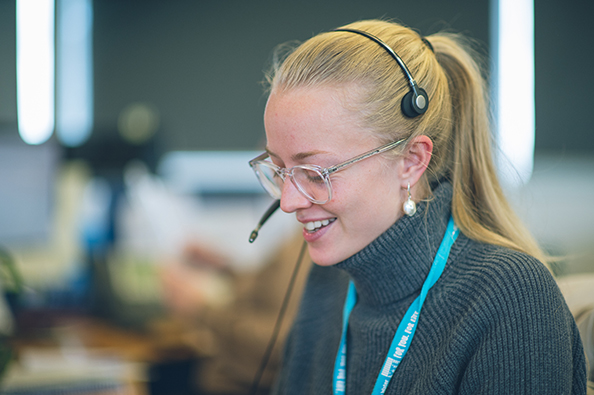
(514,76)
(35,69)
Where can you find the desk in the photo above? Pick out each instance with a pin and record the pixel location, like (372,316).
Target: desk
(85,355)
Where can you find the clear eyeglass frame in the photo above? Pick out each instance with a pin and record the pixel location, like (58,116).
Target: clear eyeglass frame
(317,188)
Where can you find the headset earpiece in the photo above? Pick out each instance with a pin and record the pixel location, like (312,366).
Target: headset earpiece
(416,101)
(414,104)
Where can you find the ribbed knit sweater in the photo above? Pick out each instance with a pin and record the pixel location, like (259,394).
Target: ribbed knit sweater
(494,323)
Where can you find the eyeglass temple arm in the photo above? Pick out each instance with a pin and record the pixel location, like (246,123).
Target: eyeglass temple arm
(260,157)
(365,155)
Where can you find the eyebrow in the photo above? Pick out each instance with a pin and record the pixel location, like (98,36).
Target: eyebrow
(298,156)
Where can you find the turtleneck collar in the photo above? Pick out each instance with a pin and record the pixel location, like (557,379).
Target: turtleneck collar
(395,265)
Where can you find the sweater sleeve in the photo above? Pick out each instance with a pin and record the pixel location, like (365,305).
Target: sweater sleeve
(529,342)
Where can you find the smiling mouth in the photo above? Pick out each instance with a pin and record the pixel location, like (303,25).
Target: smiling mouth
(314,226)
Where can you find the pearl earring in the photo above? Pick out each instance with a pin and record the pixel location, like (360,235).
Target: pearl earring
(409,207)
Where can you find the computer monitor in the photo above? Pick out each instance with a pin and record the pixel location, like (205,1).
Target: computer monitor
(27,175)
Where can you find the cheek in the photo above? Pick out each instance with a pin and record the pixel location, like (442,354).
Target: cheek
(366,206)
(384,195)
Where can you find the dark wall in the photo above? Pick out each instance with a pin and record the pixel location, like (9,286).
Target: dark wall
(201,62)
(8,112)
(564,60)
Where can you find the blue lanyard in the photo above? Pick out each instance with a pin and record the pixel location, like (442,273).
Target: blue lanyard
(406,329)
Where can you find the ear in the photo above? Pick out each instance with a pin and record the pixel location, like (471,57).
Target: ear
(416,159)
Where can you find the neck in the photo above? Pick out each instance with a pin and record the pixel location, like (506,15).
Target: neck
(395,264)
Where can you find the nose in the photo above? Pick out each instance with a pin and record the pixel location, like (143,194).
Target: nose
(292,199)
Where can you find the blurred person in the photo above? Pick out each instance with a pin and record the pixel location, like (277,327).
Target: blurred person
(229,316)
(378,139)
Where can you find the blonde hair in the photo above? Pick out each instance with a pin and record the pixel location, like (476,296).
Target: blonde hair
(457,120)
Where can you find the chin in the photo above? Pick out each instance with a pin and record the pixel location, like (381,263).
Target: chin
(324,258)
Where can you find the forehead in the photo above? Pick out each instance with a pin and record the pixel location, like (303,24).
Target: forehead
(314,119)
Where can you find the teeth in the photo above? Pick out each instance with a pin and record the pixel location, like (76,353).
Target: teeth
(315,225)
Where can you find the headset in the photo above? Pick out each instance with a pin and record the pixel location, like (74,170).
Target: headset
(415,102)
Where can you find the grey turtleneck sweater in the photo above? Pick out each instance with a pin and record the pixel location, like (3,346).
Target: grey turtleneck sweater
(494,323)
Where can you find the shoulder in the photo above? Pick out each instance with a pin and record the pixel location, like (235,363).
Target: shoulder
(506,305)
(502,279)
(498,266)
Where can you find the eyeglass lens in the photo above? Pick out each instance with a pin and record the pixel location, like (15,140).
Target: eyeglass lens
(308,181)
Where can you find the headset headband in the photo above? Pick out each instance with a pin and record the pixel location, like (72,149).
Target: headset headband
(416,101)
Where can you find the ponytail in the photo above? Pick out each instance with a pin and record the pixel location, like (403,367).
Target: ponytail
(479,205)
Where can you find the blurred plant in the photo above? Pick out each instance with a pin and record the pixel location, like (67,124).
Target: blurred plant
(12,285)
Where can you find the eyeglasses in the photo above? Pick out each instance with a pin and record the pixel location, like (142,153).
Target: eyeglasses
(311,180)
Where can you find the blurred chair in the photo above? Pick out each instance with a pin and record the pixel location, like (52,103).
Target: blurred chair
(578,290)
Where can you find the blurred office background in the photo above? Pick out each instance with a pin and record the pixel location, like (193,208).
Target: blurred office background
(171,102)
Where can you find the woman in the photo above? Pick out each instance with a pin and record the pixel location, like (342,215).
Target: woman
(386,139)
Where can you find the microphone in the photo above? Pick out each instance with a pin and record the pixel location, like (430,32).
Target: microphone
(273,207)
